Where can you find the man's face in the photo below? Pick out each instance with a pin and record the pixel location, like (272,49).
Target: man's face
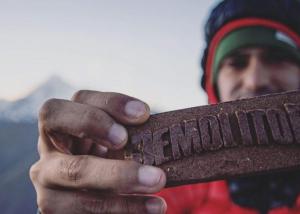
(252,72)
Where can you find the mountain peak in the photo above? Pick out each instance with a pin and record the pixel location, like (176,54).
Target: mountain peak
(54,77)
(26,109)
(55,80)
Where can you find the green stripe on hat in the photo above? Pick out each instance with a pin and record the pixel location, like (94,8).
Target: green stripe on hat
(252,36)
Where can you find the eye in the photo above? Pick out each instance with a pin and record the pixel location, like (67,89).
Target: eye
(238,62)
(279,56)
(235,62)
(273,57)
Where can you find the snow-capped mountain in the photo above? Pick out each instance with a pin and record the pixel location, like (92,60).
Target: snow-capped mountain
(26,109)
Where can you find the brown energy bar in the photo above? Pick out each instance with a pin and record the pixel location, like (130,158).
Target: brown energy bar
(231,139)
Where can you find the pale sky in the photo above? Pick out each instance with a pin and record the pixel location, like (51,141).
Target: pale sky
(148,49)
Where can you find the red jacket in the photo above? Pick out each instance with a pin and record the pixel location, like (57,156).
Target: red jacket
(210,198)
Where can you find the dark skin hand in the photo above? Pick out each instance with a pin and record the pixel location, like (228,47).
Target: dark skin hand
(73,174)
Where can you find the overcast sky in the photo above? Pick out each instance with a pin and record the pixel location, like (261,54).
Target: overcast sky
(148,49)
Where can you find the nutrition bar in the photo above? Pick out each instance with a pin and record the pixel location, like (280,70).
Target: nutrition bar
(231,139)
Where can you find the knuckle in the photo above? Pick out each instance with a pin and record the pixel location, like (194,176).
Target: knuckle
(114,99)
(88,204)
(46,109)
(93,118)
(115,170)
(115,173)
(124,175)
(39,174)
(73,169)
(130,170)
(78,95)
(89,115)
(34,172)
(106,98)
(89,118)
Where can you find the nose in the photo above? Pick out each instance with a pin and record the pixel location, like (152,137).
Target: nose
(256,75)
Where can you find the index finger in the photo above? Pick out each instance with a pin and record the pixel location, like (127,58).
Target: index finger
(125,109)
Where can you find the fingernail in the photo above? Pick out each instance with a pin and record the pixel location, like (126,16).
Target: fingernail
(135,109)
(149,176)
(117,134)
(155,206)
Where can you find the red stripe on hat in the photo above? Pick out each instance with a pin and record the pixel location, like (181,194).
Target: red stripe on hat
(246,22)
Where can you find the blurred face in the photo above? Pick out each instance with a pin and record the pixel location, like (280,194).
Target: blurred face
(252,72)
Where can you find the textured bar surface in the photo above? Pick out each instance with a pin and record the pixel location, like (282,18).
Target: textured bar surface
(238,138)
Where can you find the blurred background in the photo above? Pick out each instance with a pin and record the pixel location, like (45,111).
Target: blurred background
(147,49)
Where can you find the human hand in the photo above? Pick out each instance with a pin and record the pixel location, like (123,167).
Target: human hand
(73,175)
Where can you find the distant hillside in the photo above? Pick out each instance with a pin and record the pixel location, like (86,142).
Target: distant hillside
(18,151)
